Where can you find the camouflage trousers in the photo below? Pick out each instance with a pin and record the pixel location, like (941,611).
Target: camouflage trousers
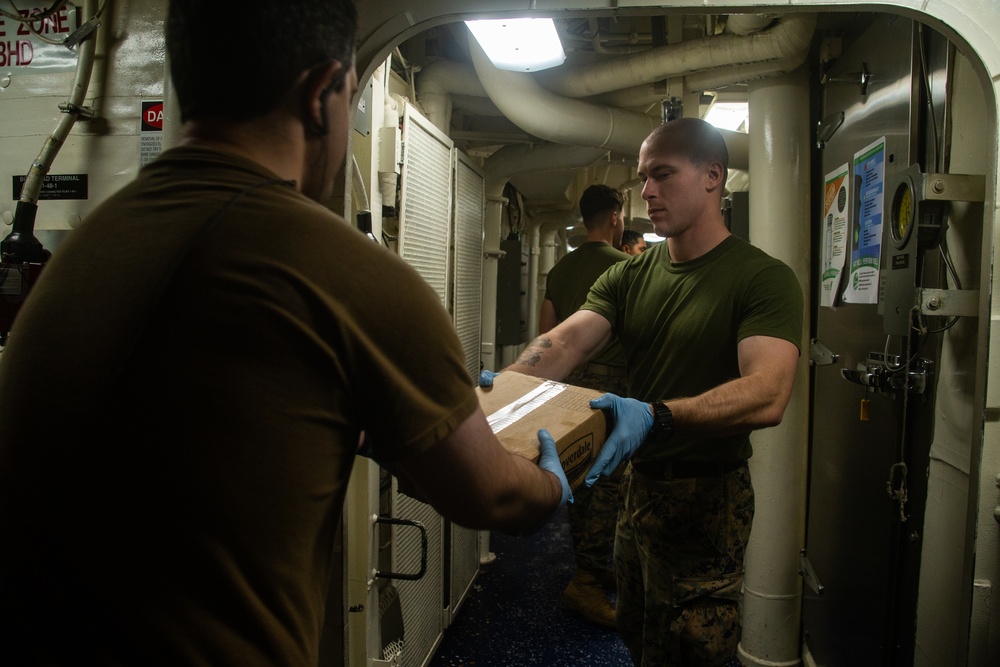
(679,563)
(593,512)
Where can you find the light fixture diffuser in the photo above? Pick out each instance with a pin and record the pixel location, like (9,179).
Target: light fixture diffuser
(519,45)
(728,115)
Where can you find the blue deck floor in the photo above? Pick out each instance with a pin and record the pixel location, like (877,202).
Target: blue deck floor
(512,617)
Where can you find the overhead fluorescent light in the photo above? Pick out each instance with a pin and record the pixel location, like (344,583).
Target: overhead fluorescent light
(519,45)
(728,115)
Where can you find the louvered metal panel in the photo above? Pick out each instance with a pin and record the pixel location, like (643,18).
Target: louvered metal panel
(470,201)
(425,232)
(425,201)
(422,600)
(464,566)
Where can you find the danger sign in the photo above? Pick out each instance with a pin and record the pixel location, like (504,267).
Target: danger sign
(150,131)
(152,116)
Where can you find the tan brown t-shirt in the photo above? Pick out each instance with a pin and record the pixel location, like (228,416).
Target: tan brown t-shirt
(180,405)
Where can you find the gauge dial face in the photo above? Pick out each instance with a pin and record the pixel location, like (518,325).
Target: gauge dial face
(902,214)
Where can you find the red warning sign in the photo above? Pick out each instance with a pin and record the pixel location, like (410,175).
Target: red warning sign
(152,116)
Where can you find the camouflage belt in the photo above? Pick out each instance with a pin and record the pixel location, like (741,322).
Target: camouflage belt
(685,469)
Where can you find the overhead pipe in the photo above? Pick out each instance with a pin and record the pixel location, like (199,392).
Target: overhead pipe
(648,94)
(437,82)
(728,76)
(559,119)
(746,24)
(790,35)
(651,94)
(546,115)
(629,44)
(562,120)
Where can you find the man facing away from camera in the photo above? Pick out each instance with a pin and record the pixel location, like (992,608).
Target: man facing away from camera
(183,392)
(594,510)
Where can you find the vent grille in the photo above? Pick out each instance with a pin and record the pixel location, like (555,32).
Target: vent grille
(470,202)
(422,600)
(425,201)
(464,564)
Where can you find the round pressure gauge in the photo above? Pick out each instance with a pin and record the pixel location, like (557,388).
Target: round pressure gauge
(902,214)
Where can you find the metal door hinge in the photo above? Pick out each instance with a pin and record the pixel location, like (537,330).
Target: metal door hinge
(809,574)
(819,355)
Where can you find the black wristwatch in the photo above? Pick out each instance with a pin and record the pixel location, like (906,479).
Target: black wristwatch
(663,420)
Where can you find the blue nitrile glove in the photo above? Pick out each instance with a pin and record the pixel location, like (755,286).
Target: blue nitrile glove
(486,379)
(633,420)
(549,461)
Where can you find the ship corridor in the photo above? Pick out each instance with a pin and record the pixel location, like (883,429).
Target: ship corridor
(512,617)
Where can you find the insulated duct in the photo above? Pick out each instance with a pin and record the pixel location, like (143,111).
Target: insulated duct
(437,82)
(559,119)
(745,24)
(520,159)
(649,94)
(790,36)
(567,121)
(727,76)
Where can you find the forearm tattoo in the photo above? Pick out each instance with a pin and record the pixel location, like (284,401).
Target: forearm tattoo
(533,353)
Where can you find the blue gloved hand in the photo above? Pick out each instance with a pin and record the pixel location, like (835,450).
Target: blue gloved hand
(632,422)
(549,461)
(486,379)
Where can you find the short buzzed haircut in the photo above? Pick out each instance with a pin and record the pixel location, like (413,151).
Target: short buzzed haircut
(239,60)
(695,139)
(598,200)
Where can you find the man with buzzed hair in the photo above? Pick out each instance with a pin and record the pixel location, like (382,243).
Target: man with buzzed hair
(711,329)
(594,510)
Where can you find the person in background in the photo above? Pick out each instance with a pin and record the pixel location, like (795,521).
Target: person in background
(711,328)
(633,243)
(183,392)
(594,510)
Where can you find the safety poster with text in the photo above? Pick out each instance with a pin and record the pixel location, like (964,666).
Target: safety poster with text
(836,204)
(866,234)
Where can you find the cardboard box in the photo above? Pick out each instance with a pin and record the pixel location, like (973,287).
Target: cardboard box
(519,405)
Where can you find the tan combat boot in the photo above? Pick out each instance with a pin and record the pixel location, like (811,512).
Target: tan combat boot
(585,597)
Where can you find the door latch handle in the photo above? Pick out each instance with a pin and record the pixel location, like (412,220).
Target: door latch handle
(406,576)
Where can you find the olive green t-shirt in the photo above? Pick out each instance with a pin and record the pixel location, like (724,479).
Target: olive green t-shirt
(679,324)
(569,282)
(180,406)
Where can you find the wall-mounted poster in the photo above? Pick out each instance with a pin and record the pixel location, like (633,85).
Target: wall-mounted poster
(835,228)
(866,232)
